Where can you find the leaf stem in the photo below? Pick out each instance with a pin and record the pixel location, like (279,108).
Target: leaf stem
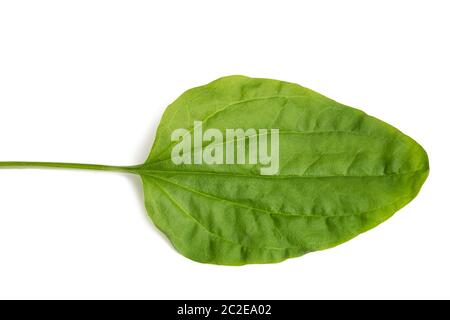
(61,165)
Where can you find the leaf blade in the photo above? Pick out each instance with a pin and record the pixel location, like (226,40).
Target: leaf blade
(344,171)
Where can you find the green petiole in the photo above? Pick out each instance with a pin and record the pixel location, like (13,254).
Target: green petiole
(61,165)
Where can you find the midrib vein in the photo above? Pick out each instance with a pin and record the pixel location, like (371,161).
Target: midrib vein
(143,170)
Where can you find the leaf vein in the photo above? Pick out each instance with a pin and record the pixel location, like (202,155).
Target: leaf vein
(211,232)
(296,215)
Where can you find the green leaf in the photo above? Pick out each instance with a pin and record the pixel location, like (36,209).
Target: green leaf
(342,173)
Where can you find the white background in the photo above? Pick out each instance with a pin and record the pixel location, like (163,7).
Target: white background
(87,81)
